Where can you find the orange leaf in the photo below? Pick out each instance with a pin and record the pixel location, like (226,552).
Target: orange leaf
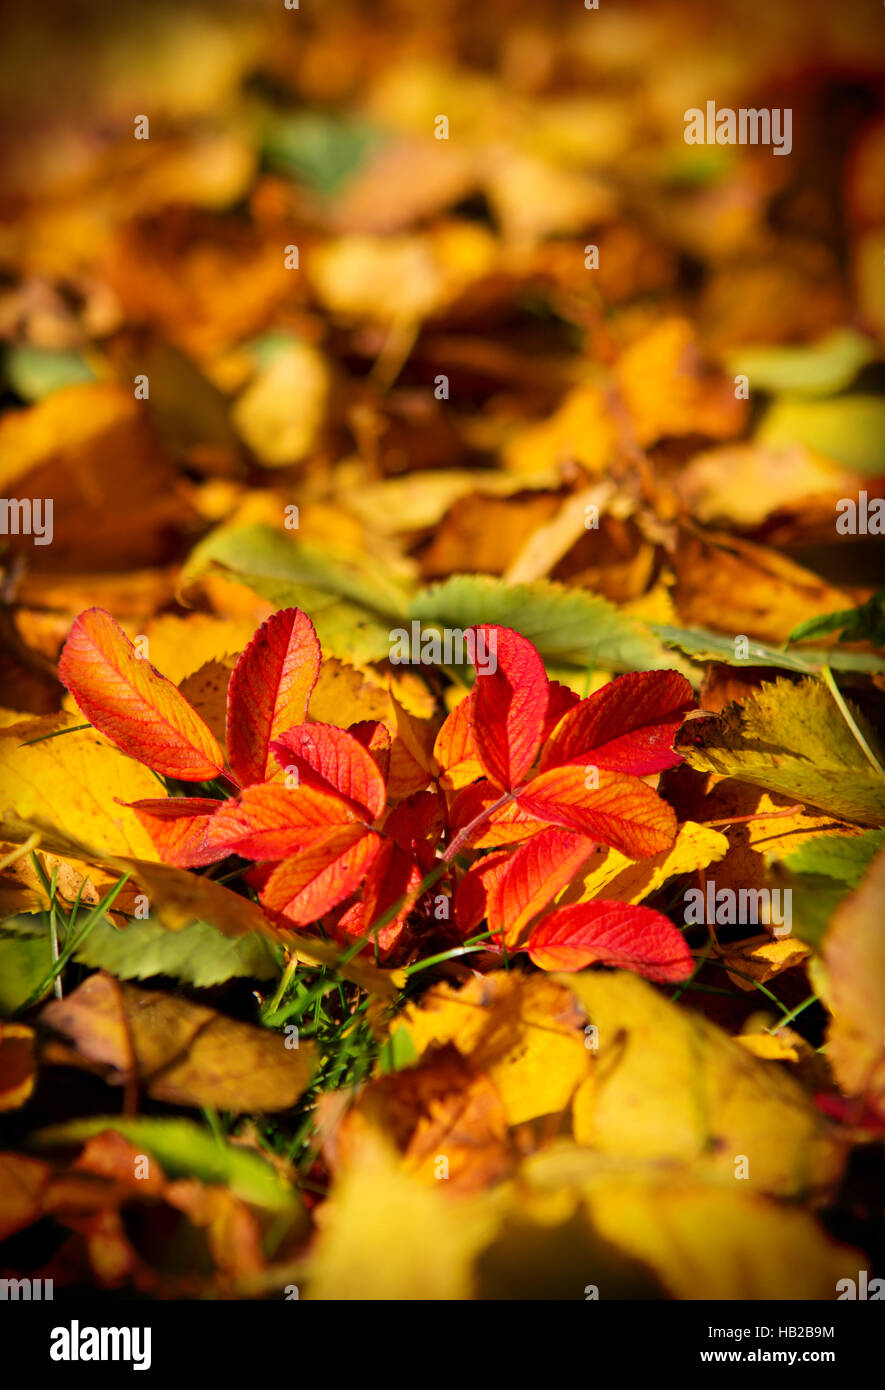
(612,933)
(331,759)
(139,710)
(620,810)
(270,822)
(508,704)
(268,692)
(321,876)
(178,826)
(455,752)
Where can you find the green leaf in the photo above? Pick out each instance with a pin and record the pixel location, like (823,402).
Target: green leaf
(36,372)
(571,628)
(822,872)
(807,369)
(353,601)
(842,857)
(25,960)
(397,1052)
(320,150)
(185,1149)
(849,429)
(865,623)
(199,954)
(791,739)
(703,645)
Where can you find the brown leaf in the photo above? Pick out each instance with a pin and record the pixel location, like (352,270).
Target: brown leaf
(181,1052)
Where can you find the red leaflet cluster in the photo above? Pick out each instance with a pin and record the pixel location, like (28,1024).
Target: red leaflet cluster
(521,768)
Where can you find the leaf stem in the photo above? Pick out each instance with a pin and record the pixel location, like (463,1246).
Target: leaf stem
(837,695)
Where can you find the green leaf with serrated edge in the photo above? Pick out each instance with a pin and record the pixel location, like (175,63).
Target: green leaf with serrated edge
(848,429)
(353,602)
(804,369)
(185,1149)
(199,954)
(703,645)
(791,739)
(864,623)
(570,627)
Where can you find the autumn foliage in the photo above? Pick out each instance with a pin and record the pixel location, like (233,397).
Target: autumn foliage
(522,765)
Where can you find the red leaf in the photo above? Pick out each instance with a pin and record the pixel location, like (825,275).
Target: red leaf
(268,692)
(627,726)
(536,871)
(472,893)
(392,875)
(270,822)
(508,704)
(375,738)
(417,821)
(178,826)
(139,710)
(350,926)
(620,810)
(322,876)
(561,699)
(612,933)
(332,760)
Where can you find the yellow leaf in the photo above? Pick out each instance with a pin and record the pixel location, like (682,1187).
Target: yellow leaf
(523,1030)
(281,412)
(581,430)
(610,874)
(854,958)
(701,1239)
(427,1242)
(74,780)
(762,959)
(671,1087)
(180,646)
(717,1242)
